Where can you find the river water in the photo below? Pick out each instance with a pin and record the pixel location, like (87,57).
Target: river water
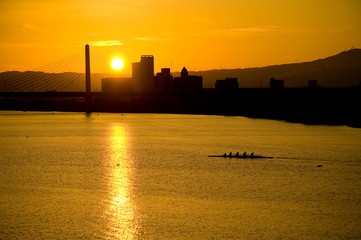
(148,176)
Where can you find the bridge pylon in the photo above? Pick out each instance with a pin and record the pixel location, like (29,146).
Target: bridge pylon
(88,95)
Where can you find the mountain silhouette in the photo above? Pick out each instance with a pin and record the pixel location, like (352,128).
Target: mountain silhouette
(341,70)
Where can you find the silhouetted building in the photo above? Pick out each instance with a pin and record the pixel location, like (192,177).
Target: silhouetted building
(163,80)
(312,84)
(276,83)
(227,84)
(117,86)
(143,73)
(187,82)
(184,72)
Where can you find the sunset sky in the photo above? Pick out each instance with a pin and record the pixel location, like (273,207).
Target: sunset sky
(198,34)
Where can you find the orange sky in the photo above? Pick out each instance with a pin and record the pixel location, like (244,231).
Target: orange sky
(198,34)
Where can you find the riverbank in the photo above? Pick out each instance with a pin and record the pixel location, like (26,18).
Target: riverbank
(310,106)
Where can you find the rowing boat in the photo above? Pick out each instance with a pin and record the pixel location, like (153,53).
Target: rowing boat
(239,156)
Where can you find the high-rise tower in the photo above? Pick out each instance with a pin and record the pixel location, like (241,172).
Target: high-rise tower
(143,73)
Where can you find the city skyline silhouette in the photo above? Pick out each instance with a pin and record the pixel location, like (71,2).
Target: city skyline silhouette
(147,92)
(340,70)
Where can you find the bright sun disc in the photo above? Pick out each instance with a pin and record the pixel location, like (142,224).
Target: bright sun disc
(117,63)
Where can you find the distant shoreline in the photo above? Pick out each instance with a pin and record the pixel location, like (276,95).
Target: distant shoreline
(309,106)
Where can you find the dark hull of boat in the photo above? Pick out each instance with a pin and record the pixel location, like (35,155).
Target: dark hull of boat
(243,157)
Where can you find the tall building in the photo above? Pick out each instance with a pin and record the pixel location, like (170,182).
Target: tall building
(187,82)
(143,73)
(163,80)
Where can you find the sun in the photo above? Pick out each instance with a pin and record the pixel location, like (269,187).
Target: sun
(117,63)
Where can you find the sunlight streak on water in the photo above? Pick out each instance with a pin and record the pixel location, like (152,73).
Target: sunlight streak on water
(120,208)
(148,176)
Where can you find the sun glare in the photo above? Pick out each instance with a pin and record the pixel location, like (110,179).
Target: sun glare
(117,63)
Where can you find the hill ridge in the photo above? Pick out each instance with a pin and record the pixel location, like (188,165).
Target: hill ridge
(340,70)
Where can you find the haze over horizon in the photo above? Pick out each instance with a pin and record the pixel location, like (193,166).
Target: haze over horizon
(200,35)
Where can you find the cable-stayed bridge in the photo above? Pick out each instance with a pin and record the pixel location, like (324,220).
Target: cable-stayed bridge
(63,75)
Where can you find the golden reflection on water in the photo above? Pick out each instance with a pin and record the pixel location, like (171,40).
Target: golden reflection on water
(123,224)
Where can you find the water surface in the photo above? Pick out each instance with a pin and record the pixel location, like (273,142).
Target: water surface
(147,176)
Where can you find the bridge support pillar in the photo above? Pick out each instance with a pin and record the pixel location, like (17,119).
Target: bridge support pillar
(88,95)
